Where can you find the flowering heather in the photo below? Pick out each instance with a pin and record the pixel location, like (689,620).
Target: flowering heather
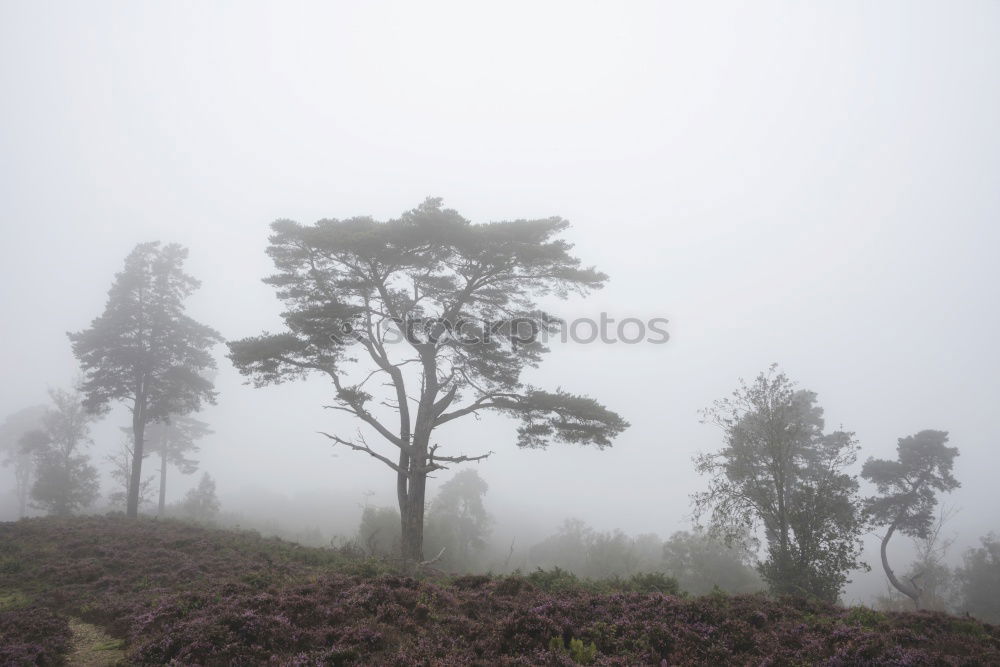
(189,595)
(32,635)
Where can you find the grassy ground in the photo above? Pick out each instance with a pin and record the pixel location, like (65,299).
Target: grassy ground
(99,591)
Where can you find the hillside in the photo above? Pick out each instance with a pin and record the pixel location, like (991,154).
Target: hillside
(165,591)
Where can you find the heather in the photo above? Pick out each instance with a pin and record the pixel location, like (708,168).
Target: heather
(185,594)
(31,635)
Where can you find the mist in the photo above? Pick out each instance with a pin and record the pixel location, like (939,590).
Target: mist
(808,185)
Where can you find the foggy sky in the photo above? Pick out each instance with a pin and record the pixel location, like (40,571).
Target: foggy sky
(809,184)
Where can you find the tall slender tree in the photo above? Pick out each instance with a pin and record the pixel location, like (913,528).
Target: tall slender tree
(459,298)
(144,350)
(908,489)
(174,441)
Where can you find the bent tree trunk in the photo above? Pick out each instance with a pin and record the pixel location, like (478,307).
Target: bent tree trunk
(908,589)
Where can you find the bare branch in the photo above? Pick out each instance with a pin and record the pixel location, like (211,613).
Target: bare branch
(361,448)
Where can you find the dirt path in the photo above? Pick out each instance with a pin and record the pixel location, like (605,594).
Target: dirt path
(92,647)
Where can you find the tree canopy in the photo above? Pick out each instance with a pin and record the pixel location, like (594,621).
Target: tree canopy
(144,350)
(433,292)
(65,481)
(907,493)
(778,470)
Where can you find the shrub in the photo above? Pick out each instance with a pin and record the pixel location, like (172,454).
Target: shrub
(580,653)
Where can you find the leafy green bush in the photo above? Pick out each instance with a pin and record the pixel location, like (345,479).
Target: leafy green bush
(653,582)
(556,579)
(580,653)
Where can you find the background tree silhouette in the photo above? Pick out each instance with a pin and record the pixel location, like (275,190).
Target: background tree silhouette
(65,481)
(174,441)
(14,427)
(144,351)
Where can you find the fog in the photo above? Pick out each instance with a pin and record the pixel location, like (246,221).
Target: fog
(813,185)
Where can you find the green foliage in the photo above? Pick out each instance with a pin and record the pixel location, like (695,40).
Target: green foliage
(908,489)
(458,522)
(176,439)
(908,486)
(12,599)
(979,580)
(865,617)
(702,564)
(555,579)
(144,350)
(580,653)
(779,470)
(64,480)
(653,582)
(432,288)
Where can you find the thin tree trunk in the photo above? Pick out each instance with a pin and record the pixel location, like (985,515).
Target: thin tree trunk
(138,433)
(163,477)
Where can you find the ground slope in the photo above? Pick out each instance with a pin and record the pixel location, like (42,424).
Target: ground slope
(170,592)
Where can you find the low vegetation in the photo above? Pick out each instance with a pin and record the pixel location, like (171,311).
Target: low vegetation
(174,592)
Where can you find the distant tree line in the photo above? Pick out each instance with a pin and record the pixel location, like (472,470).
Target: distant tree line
(783,507)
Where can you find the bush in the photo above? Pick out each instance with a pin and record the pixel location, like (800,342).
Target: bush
(556,579)
(580,653)
(653,582)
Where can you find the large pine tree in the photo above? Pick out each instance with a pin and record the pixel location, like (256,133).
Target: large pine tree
(459,298)
(144,350)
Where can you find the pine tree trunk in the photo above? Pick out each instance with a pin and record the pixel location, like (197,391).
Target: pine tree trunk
(908,590)
(138,433)
(163,478)
(411,514)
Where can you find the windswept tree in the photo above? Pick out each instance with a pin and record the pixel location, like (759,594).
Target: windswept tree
(444,311)
(908,488)
(780,472)
(144,351)
(65,481)
(174,441)
(929,567)
(13,428)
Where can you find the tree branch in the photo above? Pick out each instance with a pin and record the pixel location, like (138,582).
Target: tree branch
(361,448)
